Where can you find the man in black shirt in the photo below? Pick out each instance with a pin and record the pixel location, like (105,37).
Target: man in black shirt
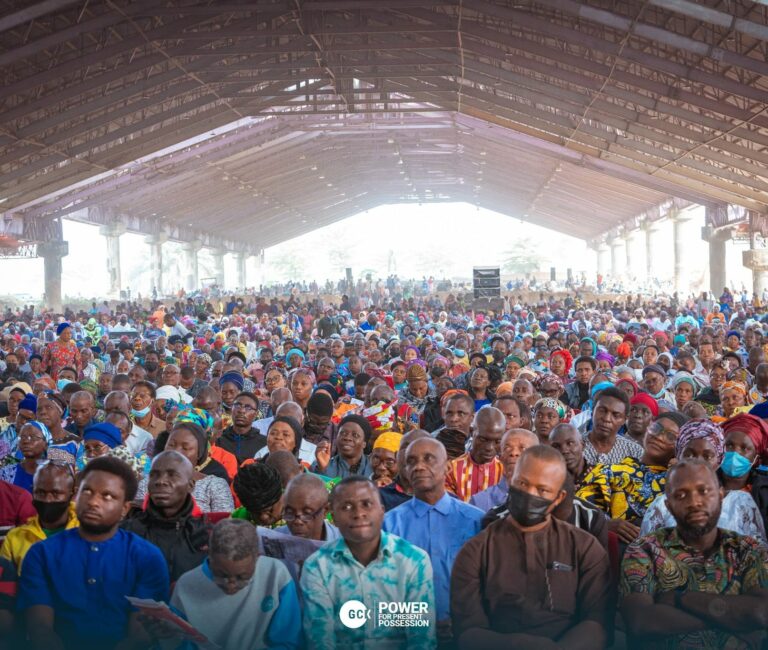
(241,439)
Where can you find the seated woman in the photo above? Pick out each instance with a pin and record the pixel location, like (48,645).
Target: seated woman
(354,433)
(685,389)
(547,414)
(33,441)
(733,396)
(709,398)
(234,579)
(625,490)
(284,434)
(704,439)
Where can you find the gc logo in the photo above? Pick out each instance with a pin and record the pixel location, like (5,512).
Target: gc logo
(353,614)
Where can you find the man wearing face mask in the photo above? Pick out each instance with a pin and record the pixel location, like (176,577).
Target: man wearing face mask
(52,490)
(530,580)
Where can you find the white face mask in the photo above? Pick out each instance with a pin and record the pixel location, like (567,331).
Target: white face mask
(638,374)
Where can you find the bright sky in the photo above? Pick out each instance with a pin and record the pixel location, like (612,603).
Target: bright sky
(431,239)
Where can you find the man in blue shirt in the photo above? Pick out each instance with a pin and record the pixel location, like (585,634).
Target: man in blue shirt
(433,520)
(74,584)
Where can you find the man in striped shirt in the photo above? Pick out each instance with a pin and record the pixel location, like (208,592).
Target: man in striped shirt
(480,468)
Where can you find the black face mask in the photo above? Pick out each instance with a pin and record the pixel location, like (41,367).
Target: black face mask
(50,511)
(498,355)
(438,371)
(527,509)
(151,366)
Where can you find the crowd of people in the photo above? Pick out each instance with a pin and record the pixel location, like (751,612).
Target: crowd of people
(256,472)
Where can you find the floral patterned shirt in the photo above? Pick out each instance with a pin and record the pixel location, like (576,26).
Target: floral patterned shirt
(662,562)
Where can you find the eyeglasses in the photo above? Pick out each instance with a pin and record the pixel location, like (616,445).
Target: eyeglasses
(234,580)
(240,406)
(667,434)
(29,438)
(305,517)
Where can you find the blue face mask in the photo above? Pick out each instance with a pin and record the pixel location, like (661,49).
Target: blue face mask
(735,465)
(140,413)
(62,383)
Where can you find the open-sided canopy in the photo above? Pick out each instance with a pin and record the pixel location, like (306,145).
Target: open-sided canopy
(263,120)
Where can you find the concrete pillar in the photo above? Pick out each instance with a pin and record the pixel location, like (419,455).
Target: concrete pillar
(240,259)
(757,260)
(717,240)
(650,229)
(603,257)
(218,265)
(617,267)
(52,252)
(112,234)
(631,251)
(190,254)
(155,243)
(679,225)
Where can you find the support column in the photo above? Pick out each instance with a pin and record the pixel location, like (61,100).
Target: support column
(52,252)
(603,258)
(616,257)
(717,240)
(190,254)
(112,234)
(679,221)
(757,260)
(218,265)
(155,243)
(240,259)
(650,229)
(631,255)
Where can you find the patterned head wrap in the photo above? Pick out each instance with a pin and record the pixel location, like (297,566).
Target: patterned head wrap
(200,417)
(42,429)
(754,427)
(550,403)
(549,378)
(734,385)
(389,440)
(124,454)
(701,428)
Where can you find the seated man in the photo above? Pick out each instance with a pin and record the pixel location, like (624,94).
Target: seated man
(399,490)
(234,580)
(625,490)
(433,520)
(80,603)
(171,520)
(568,441)
(513,444)
(695,585)
(53,488)
(305,506)
(480,468)
(390,568)
(530,580)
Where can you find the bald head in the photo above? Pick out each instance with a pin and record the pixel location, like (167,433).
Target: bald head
(513,444)
(286,465)
(291,410)
(278,397)
(117,400)
(306,495)
(426,464)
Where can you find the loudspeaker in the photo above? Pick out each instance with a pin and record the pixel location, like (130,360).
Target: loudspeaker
(486,281)
(552,273)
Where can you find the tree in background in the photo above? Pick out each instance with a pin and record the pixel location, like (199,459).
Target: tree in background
(523,260)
